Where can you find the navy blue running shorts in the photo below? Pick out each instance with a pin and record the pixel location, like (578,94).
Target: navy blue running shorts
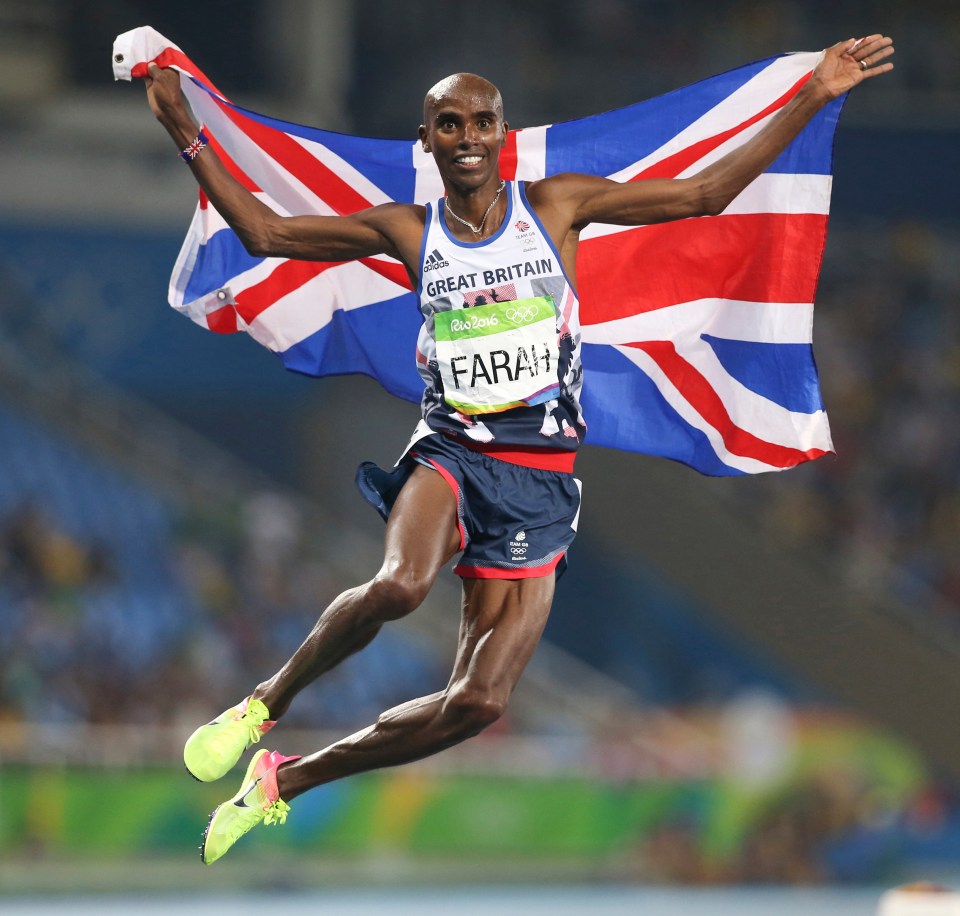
(515,522)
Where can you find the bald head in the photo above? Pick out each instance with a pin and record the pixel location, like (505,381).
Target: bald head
(463,128)
(462,87)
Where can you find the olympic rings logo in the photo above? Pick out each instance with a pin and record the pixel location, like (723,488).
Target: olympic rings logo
(522,313)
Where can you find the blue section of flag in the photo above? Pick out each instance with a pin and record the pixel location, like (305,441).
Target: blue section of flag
(623,404)
(386,163)
(378,340)
(606,143)
(219,260)
(783,373)
(811,153)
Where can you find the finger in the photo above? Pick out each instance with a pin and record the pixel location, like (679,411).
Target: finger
(876,71)
(852,45)
(872,45)
(870,61)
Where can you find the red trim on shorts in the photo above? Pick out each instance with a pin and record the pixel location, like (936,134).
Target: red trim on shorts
(493,572)
(543,459)
(452,483)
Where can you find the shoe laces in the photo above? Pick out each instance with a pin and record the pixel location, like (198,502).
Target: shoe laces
(254,716)
(276,813)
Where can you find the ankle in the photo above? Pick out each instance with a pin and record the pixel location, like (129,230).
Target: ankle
(267,696)
(285,779)
(272,780)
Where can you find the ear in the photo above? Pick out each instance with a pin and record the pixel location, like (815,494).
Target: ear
(422,133)
(506,131)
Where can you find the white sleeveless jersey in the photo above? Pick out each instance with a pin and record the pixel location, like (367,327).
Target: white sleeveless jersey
(499,349)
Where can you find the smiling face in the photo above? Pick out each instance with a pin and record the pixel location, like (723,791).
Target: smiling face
(463,127)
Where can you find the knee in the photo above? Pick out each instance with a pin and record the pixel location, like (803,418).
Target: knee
(470,708)
(396,593)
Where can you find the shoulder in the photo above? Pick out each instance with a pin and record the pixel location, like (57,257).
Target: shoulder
(399,226)
(393,216)
(562,200)
(566,194)
(564,187)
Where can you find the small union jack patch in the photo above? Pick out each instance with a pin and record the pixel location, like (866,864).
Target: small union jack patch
(522,225)
(193,149)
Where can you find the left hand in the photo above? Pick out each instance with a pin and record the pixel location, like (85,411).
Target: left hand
(849,63)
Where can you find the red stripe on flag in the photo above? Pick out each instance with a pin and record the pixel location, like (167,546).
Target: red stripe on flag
(296,160)
(657,266)
(700,395)
(223,320)
(508,157)
(678,162)
(172,57)
(289,276)
(284,279)
(391,270)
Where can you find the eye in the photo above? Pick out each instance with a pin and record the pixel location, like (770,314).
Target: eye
(484,124)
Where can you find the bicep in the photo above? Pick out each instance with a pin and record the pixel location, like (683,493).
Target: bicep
(634,203)
(329,238)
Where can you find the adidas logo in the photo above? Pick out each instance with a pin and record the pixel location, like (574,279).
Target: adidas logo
(434,260)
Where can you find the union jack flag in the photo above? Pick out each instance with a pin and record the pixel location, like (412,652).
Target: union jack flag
(192,150)
(697,334)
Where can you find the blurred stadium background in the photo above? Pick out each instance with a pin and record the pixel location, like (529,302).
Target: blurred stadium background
(745,682)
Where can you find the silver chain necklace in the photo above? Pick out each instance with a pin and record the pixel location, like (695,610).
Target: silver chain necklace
(476,230)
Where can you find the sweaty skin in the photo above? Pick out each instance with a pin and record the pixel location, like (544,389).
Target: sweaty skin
(502,619)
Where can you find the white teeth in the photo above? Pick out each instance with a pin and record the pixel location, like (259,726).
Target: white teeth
(468,160)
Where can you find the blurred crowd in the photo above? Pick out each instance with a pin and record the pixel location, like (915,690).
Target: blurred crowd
(553,59)
(559,60)
(886,508)
(260,571)
(182,618)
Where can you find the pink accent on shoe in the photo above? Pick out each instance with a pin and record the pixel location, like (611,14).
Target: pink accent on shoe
(268,781)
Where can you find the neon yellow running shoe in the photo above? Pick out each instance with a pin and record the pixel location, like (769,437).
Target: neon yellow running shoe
(258,800)
(213,749)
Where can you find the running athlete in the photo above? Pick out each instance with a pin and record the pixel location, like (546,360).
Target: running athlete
(489,471)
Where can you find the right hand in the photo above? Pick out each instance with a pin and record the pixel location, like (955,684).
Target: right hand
(163,92)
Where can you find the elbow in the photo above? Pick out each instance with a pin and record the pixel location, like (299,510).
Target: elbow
(258,240)
(713,202)
(711,199)
(714,206)
(255,246)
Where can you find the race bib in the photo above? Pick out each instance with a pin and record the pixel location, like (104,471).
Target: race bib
(498,356)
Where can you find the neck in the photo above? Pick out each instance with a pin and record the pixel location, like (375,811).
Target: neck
(477,213)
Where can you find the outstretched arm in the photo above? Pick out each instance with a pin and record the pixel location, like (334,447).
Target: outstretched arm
(263,231)
(587,199)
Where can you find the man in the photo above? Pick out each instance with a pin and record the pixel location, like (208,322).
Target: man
(489,471)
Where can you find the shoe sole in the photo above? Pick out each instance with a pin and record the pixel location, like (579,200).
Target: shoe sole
(239,794)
